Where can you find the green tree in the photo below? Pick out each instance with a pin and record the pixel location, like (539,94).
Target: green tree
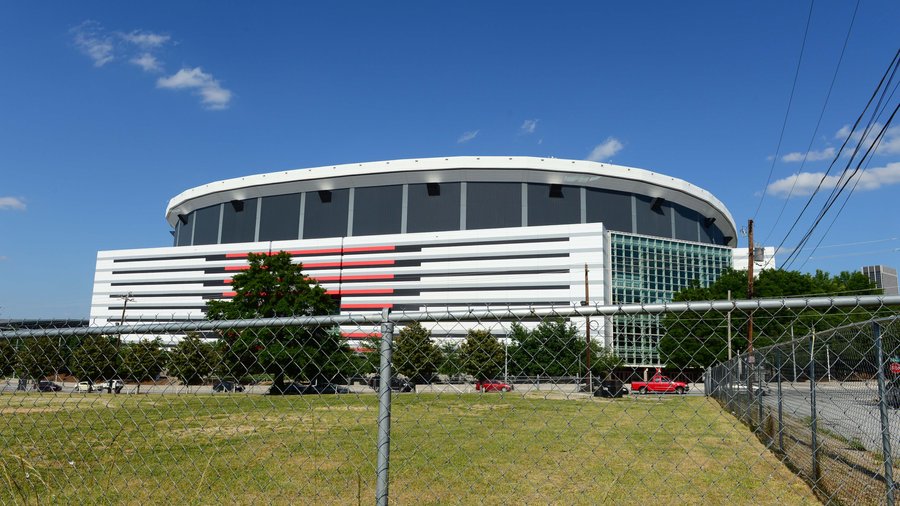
(143,360)
(38,357)
(481,355)
(415,354)
(95,357)
(273,286)
(7,358)
(694,340)
(192,360)
(451,360)
(603,360)
(555,348)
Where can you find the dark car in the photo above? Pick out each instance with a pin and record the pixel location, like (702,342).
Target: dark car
(611,389)
(47,386)
(301,389)
(227,386)
(397,384)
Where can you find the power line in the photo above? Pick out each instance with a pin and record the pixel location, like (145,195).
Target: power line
(818,123)
(838,189)
(857,253)
(858,243)
(839,153)
(858,179)
(788,111)
(846,181)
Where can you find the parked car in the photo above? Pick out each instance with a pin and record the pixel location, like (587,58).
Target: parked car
(110,386)
(611,389)
(397,384)
(755,388)
(84,386)
(492,386)
(303,389)
(227,386)
(659,384)
(47,386)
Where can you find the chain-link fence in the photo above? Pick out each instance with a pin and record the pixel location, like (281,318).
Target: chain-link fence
(495,406)
(826,403)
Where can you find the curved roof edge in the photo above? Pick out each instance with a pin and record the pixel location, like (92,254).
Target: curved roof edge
(583,167)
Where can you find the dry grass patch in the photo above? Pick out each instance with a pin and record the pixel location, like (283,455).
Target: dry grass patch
(456,449)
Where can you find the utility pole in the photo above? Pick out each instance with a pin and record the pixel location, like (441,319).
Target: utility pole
(750,358)
(125,298)
(587,332)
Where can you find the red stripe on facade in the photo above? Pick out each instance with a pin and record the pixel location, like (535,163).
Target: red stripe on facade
(362,291)
(367,306)
(237,267)
(359,263)
(357,277)
(324,251)
(229,294)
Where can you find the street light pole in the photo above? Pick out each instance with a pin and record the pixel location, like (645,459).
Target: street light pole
(587,332)
(505,362)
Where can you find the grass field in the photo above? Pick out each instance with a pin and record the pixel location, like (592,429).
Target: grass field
(467,448)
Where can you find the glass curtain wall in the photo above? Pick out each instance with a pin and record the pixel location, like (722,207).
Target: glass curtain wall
(650,270)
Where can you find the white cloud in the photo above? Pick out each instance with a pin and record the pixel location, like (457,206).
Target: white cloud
(529,126)
(805,183)
(889,145)
(140,48)
(843,132)
(812,156)
(147,62)
(14,203)
(94,42)
(2,258)
(467,136)
(606,149)
(146,40)
(212,94)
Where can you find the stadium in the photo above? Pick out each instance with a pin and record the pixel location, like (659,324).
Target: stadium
(438,233)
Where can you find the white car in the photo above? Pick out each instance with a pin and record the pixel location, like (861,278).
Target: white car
(84,386)
(110,386)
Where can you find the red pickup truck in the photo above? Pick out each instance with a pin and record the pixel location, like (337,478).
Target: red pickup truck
(659,384)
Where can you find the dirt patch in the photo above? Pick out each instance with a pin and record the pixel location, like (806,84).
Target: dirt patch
(343,408)
(264,425)
(30,410)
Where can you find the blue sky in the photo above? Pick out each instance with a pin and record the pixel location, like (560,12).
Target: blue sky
(107,110)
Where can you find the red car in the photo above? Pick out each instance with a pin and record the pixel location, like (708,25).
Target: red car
(492,386)
(659,384)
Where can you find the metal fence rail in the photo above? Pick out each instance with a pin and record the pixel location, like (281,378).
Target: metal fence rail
(484,406)
(826,403)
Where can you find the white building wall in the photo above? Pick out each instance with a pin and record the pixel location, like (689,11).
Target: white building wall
(517,267)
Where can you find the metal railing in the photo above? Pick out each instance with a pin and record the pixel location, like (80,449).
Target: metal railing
(487,405)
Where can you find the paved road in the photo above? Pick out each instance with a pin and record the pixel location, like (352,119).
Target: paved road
(9,386)
(848,409)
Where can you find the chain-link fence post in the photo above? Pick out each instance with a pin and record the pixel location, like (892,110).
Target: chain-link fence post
(384,409)
(780,401)
(883,408)
(759,391)
(707,381)
(812,409)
